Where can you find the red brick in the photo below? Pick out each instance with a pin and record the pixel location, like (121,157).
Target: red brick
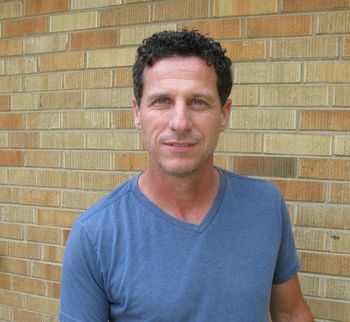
(53,289)
(340,193)
(20,315)
(29,285)
(61,62)
(123,120)
(246,50)
(47,271)
(53,253)
(279,26)
(36,7)
(12,121)
(25,27)
(11,158)
(94,39)
(302,5)
(5,102)
(325,120)
(130,161)
(123,77)
(325,169)
(11,47)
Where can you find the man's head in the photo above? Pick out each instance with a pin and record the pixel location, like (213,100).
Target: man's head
(183,43)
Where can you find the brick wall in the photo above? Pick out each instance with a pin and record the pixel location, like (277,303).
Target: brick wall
(67,137)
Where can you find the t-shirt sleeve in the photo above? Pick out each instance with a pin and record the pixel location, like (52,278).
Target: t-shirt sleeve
(287,261)
(82,293)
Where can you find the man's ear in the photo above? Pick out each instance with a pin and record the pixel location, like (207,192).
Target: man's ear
(137,117)
(225,114)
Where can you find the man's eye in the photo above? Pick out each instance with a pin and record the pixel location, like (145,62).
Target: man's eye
(198,102)
(162,100)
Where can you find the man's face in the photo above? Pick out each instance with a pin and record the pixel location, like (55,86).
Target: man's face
(180,115)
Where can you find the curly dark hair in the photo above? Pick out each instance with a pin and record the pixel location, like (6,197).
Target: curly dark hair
(183,43)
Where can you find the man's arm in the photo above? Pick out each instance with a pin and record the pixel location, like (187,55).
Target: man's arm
(287,303)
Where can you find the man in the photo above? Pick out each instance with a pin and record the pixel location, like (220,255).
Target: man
(183,241)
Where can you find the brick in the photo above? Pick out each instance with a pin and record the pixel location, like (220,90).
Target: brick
(37,7)
(262,119)
(11,47)
(57,218)
(325,120)
(43,82)
(83,4)
(42,159)
(329,310)
(3,140)
(22,177)
(122,119)
(267,73)
(110,140)
(301,48)
(4,248)
(10,84)
(310,239)
(322,216)
(62,100)
(11,158)
(339,242)
(294,96)
(80,200)
(125,15)
(341,96)
(135,35)
(310,285)
(333,22)
(265,166)
(103,181)
(17,214)
(248,7)
(61,62)
(342,145)
(10,9)
(222,161)
(325,169)
(43,234)
(181,9)
(11,298)
(346,46)
(298,144)
(118,57)
(5,102)
(59,179)
(86,120)
(5,281)
(217,29)
(123,77)
(43,121)
(25,102)
(330,72)
(94,39)
(41,304)
(44,44)
(10,231)
(340,193)
(15,266)
(24,140)
(53,290)
(299,190)
(244,96)
(74,21)
(131,161)
(245,50)
(93,79)
(62,140)
(310,5)
(29,285)
(337,288)
(5,313)
(3,176)
(53,253)
(25,27)
(23,65)
(286,26)
(23,315)
(87,160)
(239,142)
(25,250)
(120,97)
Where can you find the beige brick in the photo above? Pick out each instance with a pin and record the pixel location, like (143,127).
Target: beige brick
(123,77)
(298,144)
(304,47)
(57,218)
(25,102)
(22,177)
(346,50)
(117,57)
(45,44)
(122,119)
(11,231)
(74,21)
(342,145)
(310,285)
(222,161)
(310,239)
(131,161)
(329,310)
(53,253)
(294,96)
(23,65)
(36,7)
(330,72)
(111,140)
(267,73)
(94,79)
(248,7)
(11,47)
(86,120)
(5,102)
(245,50)
(3,140)
(2,67)
(337,288)
(44,235)
(62,140)
(340,242)
(83,4)
(10,84)
(5,312)
(24,140)
(80,200)
(341,96)
(61,100)
(53,290)
(47,121)
(4,248)
(125,15)
(135,35)
(60,179)
(41,304)
(11,298)
(239,142)
(15,266)
(103,181)
(42,159)
(17,214)
(87,160)
(10,9)
(29,285)
(3,176)
(5,281)
(244,95)
(58,62)
(333,22)
(322,216)
(120,97)
(340,193)
(300,5)
(262,119)
(43,82)
(23,315)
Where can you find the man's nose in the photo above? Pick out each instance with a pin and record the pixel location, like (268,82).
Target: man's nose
(180,118)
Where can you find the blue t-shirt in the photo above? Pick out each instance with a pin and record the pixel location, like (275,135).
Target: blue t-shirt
(128,260)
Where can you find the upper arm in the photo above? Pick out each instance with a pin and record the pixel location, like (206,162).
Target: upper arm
(287,303)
